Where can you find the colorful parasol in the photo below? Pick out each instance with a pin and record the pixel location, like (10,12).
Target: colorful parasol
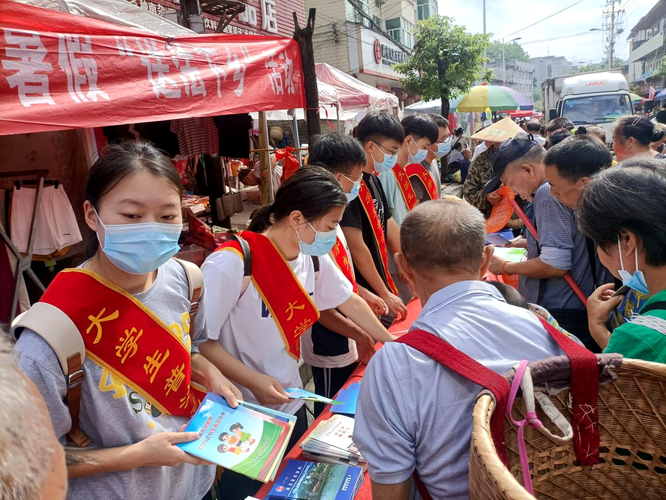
(493,97)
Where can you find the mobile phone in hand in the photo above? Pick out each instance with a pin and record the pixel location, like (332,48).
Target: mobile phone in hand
(621,291)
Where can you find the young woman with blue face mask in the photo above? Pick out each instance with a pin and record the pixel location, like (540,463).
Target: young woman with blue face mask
(130,305)
(261,321)
(622,210)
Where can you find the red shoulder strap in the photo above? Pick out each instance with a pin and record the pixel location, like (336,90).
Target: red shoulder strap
(462,364)
(584,393)
(584,390)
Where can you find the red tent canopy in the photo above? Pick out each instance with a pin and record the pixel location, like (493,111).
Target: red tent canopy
(60,71)
(354,93)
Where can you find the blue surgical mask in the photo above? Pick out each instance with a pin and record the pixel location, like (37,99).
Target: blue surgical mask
(323,243)
(356,188)
(635,281)
(419,156)
(443,148)
(387,164)
(140,248)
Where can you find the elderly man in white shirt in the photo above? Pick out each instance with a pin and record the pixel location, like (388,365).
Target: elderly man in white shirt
(415,415)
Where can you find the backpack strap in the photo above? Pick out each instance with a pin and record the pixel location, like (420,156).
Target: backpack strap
(195,283)
(316,264)
(60,332)
(247,263)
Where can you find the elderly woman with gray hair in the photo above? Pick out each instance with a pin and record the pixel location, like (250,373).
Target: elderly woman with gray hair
(623,211)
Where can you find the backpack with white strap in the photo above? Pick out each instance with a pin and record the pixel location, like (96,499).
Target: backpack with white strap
(60,332)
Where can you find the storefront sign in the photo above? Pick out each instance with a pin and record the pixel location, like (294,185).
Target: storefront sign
(376,54)
(60,71)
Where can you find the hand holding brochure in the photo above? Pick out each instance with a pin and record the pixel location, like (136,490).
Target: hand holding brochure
(249,439)
(313,481)
(296,393)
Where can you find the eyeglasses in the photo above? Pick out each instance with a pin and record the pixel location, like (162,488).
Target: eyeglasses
(384,148)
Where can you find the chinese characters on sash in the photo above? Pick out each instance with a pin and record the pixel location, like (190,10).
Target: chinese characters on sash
(405,187)
(419,171)
(124,337)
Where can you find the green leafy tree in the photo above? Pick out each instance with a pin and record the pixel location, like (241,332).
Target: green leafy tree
(600,66)
(446,61)
(512,52)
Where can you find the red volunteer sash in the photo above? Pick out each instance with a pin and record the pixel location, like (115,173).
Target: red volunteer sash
(290,305)
(405,186)
(125,337)
(341,259)
(418,170)
(369,207)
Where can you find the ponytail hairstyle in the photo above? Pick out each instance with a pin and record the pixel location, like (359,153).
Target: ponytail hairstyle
(640,128)
(117,162)
(314,191)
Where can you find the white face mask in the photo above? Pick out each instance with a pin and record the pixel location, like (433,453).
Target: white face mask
(634,281)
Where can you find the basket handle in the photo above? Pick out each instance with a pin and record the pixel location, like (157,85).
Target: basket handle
(523,379)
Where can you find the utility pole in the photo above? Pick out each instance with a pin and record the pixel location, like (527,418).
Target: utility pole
(304,38)
(611,38)
(485,50)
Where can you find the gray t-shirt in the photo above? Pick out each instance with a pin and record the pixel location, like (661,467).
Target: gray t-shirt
(113,414)
(563,246)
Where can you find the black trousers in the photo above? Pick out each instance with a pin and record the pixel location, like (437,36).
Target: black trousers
(328,381)
(234,486)
(575,321)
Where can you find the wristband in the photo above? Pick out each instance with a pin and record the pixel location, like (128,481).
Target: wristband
(503,268)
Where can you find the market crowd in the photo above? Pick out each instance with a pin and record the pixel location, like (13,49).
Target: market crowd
(319,276)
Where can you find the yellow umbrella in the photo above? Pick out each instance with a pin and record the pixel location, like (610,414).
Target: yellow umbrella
(496,98)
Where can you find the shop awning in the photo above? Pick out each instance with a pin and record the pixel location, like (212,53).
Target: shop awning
(354,94)
(61,71)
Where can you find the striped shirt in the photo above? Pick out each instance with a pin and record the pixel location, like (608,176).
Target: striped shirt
(196,136)
(562,246)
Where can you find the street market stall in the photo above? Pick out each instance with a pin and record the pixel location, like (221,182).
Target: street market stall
(60,72)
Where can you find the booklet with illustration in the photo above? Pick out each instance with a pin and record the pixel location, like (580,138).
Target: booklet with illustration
(313,481)
(296,393)
(249,439)
(333,437)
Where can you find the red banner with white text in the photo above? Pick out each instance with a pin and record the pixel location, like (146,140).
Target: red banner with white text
(60,71)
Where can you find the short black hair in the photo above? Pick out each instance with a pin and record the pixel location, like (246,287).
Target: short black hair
(640,128)
(556,138)
(579,156)
(559,123)
(457,145)
(533,126)
(661,116)
(379,125)
(511,295)
(420,126)
(439,120)
(243,172)
(337,153)
(629,197)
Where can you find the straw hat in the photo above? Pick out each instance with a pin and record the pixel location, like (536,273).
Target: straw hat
(499,132)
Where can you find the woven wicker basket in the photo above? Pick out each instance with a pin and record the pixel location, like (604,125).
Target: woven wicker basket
(632,418)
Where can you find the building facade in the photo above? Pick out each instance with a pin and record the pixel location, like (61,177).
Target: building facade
(260,17)
(364,38)
(519,76)
(646,47)
(549,67)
